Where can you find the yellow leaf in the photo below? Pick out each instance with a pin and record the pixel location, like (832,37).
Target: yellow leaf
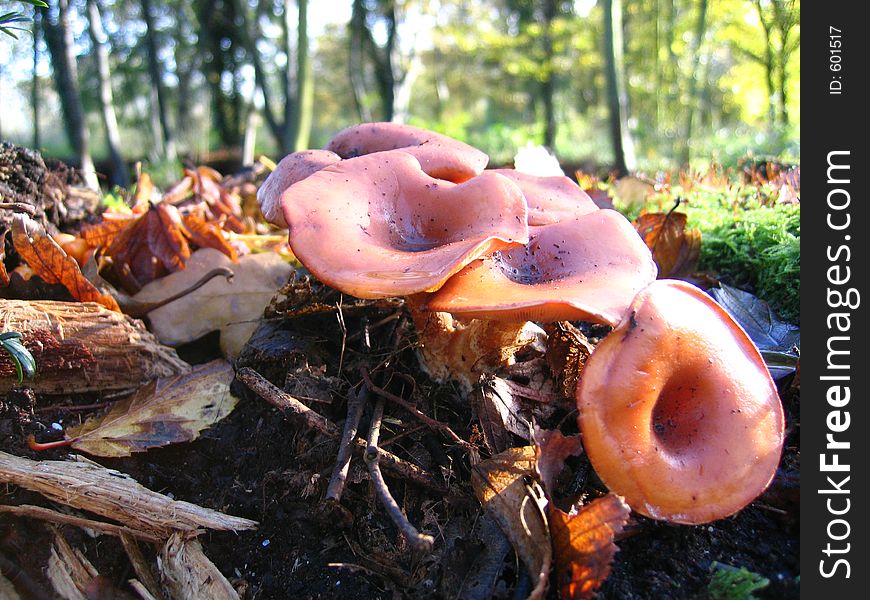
(165,411)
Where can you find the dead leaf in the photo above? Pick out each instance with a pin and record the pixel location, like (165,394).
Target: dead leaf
(498,412)
(51,263)
(552,449)
(632,190)
(592,186)
(776,339)
(583,545)
(567,351)
(4,275)
(674,248)
(165,411)
(149,247)
(206,234)
(506,488)
(233,308)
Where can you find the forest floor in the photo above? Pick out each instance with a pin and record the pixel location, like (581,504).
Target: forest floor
(260,465)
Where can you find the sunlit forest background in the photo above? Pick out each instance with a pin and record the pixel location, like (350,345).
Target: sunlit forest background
(609,84)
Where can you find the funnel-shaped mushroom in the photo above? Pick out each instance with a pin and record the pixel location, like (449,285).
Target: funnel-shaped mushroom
(440,156)
(587,268)
(293,168)
(378,226)
(552,198)
(677,410)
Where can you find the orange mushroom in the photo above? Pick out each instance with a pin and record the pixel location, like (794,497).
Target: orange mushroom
(588,268)
(551,198)
(378,226)
(440,156)
(293,168)
(677,410)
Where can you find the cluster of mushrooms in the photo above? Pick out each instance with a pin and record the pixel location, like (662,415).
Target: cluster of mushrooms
(677,410)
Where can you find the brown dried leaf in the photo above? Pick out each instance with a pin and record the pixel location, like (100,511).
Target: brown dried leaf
(506,488)
(552,449)
(165,411)
(207,234)
(4,275)
(567,351)
(583,544)
(51,263)
(149,247)
(234,307)
(675,248)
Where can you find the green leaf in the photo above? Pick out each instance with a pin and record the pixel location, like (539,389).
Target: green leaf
(21,357)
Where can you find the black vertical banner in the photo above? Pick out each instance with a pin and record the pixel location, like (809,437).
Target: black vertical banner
(835,298)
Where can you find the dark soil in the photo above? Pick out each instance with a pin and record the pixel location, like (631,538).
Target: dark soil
(260,465)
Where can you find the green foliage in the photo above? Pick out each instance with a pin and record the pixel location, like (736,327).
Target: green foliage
(730,583)
(748,239)
(25,364)
(163,172)
(8,19)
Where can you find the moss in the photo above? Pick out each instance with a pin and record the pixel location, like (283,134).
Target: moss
(729,583)
(747,240)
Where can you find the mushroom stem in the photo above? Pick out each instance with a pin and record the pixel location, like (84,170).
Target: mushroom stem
(463,350)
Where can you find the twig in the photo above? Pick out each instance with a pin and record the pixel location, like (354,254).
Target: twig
(356,404)
(288,404)
(285,402)
(427,420)
(419,541)
(38,512)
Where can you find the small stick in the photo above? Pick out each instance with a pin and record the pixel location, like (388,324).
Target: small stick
(285,402)
(427,420)
(356,404)
(288,404)
(419,541)
(46,514)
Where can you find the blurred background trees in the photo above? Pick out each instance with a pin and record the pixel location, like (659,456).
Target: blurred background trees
(624,84)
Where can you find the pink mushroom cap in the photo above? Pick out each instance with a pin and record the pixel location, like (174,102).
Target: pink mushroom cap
(551,198)
(440,156)
(378,226)
(588,268)
(293,168)
(677,409)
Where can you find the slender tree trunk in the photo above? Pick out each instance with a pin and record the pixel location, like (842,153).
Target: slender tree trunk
(698,74)
(304,112)
(617,96)
(59,38)
(548,85)
(250,141)
(356,62)
(156,74)
(288,132)
(34,86)
(107,103)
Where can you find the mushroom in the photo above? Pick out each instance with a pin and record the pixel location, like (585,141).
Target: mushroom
(378,226)
(588,268)
(440,156)
(293,168)
(677,410)
(551,198)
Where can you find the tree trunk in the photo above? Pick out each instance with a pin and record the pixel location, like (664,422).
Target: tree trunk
(156,74)
(59,38)
(34,87)
(617,97)
(304,112)
(548,85)
(107,104)
(698,74)
(356,60)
